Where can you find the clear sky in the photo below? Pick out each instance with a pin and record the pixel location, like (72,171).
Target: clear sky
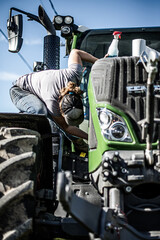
(90,13)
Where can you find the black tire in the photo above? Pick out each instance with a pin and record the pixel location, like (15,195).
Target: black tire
(18,174)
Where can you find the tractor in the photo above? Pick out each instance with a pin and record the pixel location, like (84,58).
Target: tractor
(47,189)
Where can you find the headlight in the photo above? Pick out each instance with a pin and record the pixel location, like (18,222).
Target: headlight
(113,126)
(105,118)
(68,20)
(66,31)
(58,19)
(118,131)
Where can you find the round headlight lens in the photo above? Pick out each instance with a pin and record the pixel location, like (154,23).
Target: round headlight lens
(118,131)
(68,20)
(113,127)
(65,30)
(105,118)
(58,20)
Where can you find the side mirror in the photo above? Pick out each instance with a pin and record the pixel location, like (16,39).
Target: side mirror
(15,28)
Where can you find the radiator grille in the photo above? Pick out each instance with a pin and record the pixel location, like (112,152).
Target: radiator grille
(110,79)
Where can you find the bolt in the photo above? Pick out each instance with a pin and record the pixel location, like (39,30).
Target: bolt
(114,173)
(86,193)
(106,174)
(133,157)
(123,170)
(105,164)
(68,174)
(116,154)
(104,179)
(128,189)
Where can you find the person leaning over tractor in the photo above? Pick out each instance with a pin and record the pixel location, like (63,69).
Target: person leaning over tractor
(55,93)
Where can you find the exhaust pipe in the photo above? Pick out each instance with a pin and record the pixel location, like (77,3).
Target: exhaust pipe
(51,51)
(45,21)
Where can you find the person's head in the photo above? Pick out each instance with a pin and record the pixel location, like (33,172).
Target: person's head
(71,106)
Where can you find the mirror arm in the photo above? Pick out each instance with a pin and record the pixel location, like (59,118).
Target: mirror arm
(31,16)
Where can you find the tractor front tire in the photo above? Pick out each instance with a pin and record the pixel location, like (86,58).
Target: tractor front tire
(19,148)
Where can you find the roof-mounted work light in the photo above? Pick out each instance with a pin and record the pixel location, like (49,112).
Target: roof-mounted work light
(58,20)
(68,20)
(66,31)
(64,23)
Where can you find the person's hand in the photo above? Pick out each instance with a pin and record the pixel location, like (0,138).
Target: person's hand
(106,55)
(80,145)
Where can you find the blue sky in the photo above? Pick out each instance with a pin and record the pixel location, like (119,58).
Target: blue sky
(90,13)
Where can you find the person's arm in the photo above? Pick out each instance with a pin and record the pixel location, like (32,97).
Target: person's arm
(77,56)
(75,131)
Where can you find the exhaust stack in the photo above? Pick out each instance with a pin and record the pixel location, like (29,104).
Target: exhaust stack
(45,21)
(51,42)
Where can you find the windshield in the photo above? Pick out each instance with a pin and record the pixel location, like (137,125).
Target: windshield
(97,42)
